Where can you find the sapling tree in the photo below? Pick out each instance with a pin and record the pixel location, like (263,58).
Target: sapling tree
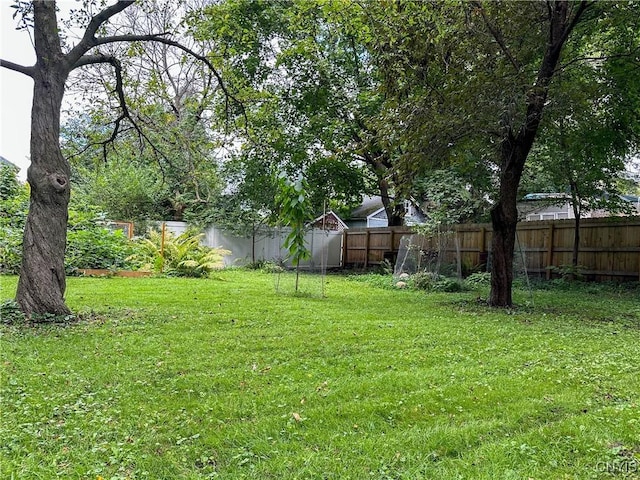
(295,212)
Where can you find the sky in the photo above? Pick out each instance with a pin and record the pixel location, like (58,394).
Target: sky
(15,91)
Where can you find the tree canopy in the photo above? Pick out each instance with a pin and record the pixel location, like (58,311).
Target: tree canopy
(205,103)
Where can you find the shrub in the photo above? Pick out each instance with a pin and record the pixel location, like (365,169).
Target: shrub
(89,244)
(10,250)
(267,266)
(449,285)
(478,280)
(181,256)
(272,267)
(569,272)
(425,280)
(14,204)
(97,247)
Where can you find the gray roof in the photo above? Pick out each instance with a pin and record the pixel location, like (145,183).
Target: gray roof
(4,161)
(369,205)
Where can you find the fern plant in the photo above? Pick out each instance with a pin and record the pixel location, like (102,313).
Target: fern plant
(181,256)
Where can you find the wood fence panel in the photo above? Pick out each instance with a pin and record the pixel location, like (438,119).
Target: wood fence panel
(609,247)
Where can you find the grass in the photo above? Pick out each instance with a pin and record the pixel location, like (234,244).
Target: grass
(227,378)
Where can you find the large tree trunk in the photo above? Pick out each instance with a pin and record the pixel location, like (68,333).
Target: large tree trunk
(394,211)
(515,149)
(381,167)
(504,220)
(42,278)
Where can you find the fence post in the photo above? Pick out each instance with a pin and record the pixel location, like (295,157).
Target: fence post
(391,246)
(366,248)
(458,255)
(343,249)
(549,262)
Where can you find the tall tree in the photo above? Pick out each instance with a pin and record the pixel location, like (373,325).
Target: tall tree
(174,96)
(42,281)
(311,93)
(517,140)
(471,82)
(595,126)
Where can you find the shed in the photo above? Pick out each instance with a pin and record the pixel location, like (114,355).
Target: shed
(330,221)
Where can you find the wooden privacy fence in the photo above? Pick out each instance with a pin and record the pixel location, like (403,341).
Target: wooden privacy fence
(609,247)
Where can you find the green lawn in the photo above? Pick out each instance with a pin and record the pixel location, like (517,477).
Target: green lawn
(227,378)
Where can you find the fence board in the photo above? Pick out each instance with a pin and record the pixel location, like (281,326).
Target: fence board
(609,247)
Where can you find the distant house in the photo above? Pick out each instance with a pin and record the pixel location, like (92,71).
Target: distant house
(371,213)
(330,221)
(557,206)
(359,217)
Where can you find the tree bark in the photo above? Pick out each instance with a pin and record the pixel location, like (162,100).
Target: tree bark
(381,167)
(42,278)
(504,220)
(515,148)
(394,211)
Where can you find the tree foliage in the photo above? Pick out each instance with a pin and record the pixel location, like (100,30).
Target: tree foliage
(171,133)
(310,94)
(42,281)
(295,213)
(470,83)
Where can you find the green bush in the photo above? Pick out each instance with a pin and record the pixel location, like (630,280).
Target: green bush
(478,280)
(14,204)
(569,272)
(89,243)
(10,250)
(97,247)
(425,280)
(449,285)
(267,266)
(181,256)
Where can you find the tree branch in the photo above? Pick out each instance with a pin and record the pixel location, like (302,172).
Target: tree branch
(88,39)
(584,5)
(160,38)
(119,90)
(630,55)
(78,57)
(28,71)
(497,35)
